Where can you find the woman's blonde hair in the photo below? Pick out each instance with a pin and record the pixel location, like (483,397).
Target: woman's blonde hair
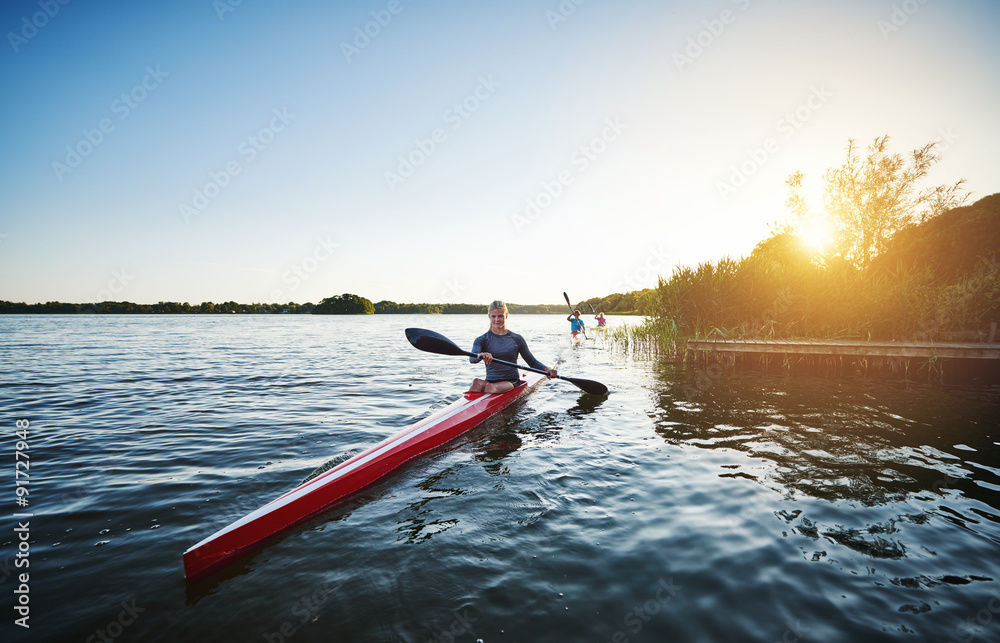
(497,304)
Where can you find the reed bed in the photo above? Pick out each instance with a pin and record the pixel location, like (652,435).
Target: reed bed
(652,338)
(782,292)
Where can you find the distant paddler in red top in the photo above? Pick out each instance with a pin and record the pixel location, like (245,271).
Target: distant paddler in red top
(504,345)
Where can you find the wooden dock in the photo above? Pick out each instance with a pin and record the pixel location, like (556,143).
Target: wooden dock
(905,350)
(969,362)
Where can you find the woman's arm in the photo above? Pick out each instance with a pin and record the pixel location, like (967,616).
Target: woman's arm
(522,348)
(477,347)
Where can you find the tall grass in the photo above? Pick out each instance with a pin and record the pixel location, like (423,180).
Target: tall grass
(781,292)
(654,337)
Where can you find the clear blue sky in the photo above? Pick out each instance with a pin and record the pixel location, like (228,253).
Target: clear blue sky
(621,121)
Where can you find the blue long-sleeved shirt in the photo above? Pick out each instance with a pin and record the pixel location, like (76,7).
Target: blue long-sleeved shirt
(506,347)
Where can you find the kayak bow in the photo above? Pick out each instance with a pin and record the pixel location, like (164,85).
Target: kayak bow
(346,479)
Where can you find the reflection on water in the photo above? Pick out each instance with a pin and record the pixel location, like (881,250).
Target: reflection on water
(832,439)
(416,523)
(888,460)
(586,405)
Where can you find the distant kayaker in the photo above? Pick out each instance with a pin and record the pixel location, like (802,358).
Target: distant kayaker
(576,324)
(505,345)
(601,321)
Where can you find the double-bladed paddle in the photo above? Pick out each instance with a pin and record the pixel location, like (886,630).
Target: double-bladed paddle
(431,342)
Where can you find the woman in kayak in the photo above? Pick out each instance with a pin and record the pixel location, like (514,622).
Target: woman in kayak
(503,344)
(576,325)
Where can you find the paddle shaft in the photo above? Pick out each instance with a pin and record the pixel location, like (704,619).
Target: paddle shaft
(573,380)
(516,365)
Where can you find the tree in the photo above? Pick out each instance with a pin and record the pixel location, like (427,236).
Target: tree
(870,199)
(346,304)
(953,246)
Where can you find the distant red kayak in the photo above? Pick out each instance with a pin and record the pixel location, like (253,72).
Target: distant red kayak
(346,479)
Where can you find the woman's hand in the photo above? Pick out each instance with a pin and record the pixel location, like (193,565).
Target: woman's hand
(552,373)
(486,357)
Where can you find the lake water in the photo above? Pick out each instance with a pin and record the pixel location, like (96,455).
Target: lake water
(688,505)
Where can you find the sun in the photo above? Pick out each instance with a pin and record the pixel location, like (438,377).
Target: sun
(816,233)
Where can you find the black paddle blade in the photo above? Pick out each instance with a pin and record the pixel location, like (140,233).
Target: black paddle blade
(588,386)
(431,342)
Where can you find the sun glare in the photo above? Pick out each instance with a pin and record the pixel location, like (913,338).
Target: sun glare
(816,234)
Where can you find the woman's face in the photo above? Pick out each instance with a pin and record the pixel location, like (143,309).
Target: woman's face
(498,319)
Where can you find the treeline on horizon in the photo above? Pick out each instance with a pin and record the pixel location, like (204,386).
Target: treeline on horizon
(346,304)
(230,307)
(902,265)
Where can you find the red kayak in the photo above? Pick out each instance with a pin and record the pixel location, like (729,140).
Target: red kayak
(316,495)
